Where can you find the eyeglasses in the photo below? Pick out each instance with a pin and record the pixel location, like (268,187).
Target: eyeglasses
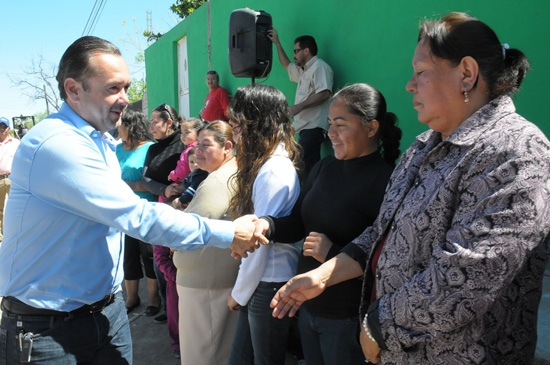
(296,50)
(164,106)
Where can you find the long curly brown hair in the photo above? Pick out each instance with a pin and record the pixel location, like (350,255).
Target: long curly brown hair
(263,114)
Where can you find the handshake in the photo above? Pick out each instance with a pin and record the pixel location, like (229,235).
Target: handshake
(249,234)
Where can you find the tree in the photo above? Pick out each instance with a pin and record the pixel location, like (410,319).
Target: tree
(39,82)
(39,116)
(136,90)
(138,86)
(184,8)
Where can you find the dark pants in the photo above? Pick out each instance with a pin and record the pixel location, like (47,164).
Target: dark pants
(162,284)
(311,141)
(136,251)
(260,338)
(329,341)
(97,338)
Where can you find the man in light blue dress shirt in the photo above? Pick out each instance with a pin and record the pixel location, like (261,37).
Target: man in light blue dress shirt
(61,257)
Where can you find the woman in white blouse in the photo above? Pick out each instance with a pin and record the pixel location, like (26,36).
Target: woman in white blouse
(266,184)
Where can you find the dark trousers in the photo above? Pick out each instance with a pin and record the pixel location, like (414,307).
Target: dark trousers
(311,141)
(93,338)
(260,339)
(329,341)
(136,251)
(162,284)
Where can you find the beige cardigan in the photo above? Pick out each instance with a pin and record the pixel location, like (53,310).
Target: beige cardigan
(210,267)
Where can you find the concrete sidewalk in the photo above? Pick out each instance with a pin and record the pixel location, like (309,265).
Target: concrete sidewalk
(150,340)
(151,343)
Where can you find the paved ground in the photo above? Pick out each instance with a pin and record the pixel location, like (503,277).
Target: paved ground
(152,343)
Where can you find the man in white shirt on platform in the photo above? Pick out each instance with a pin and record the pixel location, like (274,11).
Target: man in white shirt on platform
(315,80)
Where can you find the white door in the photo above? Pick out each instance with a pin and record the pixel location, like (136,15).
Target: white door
(183,78)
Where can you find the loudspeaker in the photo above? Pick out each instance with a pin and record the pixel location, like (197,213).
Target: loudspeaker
(250,50)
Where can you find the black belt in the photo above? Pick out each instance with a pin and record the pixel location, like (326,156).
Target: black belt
(15,306)
(4,176)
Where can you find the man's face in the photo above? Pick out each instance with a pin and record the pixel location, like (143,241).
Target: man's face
(300,57)
(4,132)
(212,81)
(101,99)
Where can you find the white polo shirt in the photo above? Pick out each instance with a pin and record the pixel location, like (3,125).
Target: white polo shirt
(315,77)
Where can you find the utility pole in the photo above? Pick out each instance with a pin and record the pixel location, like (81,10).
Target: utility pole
(46,97)
(209,42)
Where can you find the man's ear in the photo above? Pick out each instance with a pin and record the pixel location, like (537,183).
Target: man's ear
(470,72)
(73,89)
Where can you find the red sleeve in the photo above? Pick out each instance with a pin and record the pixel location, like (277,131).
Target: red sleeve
(224,102)
(163,258)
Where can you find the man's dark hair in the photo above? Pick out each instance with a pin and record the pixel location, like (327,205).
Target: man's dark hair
(75,62)
(307,41)
(215,73)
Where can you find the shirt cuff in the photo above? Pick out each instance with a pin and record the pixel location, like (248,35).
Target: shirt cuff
(271,229)
(222,233)
(356,253)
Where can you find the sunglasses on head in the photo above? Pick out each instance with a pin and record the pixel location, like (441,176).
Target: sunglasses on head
(165,107)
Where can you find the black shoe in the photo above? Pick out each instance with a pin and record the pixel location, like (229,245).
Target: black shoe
(151,311)
(177,354)
(161,319)
(133,306)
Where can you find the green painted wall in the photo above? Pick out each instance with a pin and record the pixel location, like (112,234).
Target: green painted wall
(363,40)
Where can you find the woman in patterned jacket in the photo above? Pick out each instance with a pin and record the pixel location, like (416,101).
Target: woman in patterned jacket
(453,264)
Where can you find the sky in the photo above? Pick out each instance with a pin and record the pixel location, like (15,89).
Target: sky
(36,28)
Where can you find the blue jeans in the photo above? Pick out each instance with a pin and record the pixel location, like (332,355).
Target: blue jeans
(329,341)
(259,337)
(98,338)
(311,141)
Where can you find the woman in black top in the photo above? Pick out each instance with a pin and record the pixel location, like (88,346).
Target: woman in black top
(161,159)
(340,198)
(163,156)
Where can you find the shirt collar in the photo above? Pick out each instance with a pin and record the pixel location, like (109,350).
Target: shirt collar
(76,120)
(475,125)
(7,140)
(110,140)
(310,63)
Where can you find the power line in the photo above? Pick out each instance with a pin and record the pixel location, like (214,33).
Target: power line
(89,17)
(94,17)
(101,6)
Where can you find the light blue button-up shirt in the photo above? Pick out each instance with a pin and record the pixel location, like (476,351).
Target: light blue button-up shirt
(63,245)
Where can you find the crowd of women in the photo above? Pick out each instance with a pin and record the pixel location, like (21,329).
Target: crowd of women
(434,257)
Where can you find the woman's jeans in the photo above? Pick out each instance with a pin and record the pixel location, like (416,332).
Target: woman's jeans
(329,341)
(259,337)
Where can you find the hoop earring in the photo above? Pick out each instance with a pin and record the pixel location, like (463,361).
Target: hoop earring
(466,100)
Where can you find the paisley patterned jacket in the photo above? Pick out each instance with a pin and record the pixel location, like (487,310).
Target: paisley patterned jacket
(467,224)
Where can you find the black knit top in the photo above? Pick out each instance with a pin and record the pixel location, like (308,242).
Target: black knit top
(161,158)
(340,198)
